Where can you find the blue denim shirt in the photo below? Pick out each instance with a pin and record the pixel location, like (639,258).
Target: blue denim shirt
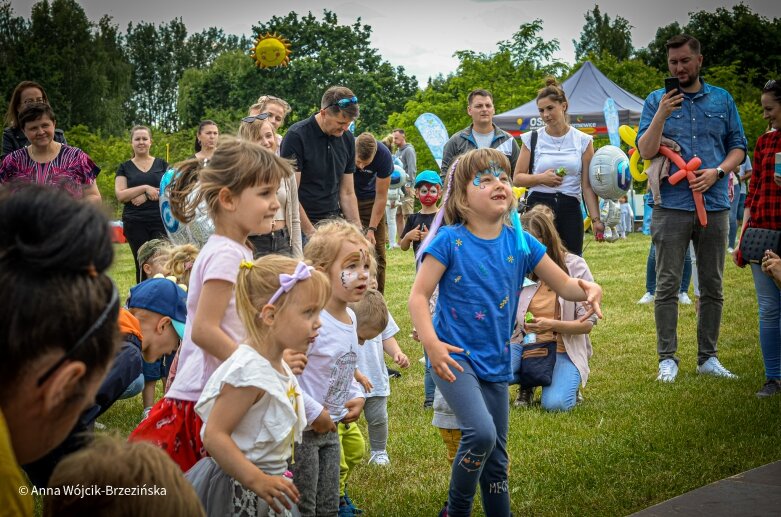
(707,125)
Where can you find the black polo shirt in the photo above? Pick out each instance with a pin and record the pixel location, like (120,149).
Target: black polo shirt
(380,167)
(322,160)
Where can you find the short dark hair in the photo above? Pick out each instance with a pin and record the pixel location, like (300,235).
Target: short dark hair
(683,39)
(399,130)
(481,92)
(337,93)
(34,112)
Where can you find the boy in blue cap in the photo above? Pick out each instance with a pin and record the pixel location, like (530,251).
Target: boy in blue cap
(428,189)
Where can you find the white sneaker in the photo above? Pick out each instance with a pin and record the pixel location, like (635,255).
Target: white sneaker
(99,426)
(683,299)
(713,367)
(730,250)
(668,370)
(647,298)
(379,458)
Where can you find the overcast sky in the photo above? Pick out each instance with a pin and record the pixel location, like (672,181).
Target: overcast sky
(420,35)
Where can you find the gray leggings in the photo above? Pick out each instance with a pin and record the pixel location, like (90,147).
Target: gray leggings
(376,412)
(316,474)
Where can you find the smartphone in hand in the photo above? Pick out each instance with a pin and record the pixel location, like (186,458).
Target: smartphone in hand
(672,84)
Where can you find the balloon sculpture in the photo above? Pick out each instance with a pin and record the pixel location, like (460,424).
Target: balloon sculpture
(609,172)
(686,170)
(629,136)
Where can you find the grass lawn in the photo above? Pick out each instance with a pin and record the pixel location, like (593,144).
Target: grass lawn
(632,443)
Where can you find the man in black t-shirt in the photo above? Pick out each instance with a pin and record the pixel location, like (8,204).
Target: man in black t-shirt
(374,166)
(324,152)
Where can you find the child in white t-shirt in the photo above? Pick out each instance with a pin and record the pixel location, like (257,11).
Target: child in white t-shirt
(375,320)
(333,398)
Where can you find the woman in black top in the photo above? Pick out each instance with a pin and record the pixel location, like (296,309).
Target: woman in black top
(137,185)
(25,94)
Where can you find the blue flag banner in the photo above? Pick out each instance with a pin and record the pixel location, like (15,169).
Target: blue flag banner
(434,134)
(611,121)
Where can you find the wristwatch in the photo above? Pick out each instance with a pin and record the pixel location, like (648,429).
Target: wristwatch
(371,229)
(720,171)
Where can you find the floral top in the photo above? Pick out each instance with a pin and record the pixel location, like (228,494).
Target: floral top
(72,169)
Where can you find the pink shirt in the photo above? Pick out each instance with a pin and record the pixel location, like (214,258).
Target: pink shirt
(219,259)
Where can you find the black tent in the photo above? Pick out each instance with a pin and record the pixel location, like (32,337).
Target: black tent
(586,93)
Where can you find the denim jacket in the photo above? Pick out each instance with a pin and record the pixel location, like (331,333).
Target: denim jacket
(708,126)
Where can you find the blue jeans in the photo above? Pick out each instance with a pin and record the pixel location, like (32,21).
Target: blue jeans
(483,409)
(733,218)
(650,271)
(134,389)
(769,300)
(562,394)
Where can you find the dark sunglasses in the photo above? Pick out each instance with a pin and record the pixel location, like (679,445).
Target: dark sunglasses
(343,103)
(112,307)
(259,116)
(770,85)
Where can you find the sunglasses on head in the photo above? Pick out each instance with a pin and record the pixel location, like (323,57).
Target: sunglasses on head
(111,308)
(343,103)
(770,85)
(253,118)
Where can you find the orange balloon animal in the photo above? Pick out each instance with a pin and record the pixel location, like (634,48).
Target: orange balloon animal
(686,170)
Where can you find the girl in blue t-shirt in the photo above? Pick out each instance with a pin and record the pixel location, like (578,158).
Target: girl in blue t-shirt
(479,263)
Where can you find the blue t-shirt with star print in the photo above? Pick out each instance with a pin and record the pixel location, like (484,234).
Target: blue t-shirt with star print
(478,295)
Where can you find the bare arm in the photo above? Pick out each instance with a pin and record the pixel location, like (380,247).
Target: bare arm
(392,348)
(124,193)
(348,201)
(378,208)
(306,226)
(91,194)
(431,271)
(230,407)
(573,289)
(589,196)
(207,333)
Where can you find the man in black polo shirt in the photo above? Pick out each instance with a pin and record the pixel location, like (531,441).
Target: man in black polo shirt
(374,166)
(324,152)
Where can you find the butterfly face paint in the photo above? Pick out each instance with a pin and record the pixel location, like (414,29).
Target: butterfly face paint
(354,272)
(428,195)
(483,178)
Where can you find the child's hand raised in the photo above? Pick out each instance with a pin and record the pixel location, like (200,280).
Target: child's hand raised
(323,423)
(401,359)
(354,408)
(414,234)
(273,490)
(439,356)
(295,360)
(593,299)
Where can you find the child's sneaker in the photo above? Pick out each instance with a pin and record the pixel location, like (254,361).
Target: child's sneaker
(379,458)
(771,387)
(443,511)
(393,374)
(346,506)
(683,299)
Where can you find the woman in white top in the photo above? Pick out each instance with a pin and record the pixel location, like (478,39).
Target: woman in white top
(285,236)
(559,175)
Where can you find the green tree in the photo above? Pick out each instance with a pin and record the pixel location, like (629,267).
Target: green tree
(14,41)
(530,51)
(600,35)
(324,53)
(728,36)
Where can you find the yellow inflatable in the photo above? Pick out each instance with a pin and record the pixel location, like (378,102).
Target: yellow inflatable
(629,136)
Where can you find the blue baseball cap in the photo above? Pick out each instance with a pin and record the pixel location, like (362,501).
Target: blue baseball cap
(428,176)
(162,296)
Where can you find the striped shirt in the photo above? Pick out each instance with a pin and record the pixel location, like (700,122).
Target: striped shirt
(72,169)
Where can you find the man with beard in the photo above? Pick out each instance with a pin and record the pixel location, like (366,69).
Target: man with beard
(703,120)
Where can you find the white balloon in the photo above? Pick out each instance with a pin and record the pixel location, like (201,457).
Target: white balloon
(609,172)
(196,231)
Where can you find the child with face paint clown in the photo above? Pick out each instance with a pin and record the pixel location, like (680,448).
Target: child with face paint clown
(332,397)
(428,189)
(479,262)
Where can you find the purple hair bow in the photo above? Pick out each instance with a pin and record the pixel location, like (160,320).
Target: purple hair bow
(286,282)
